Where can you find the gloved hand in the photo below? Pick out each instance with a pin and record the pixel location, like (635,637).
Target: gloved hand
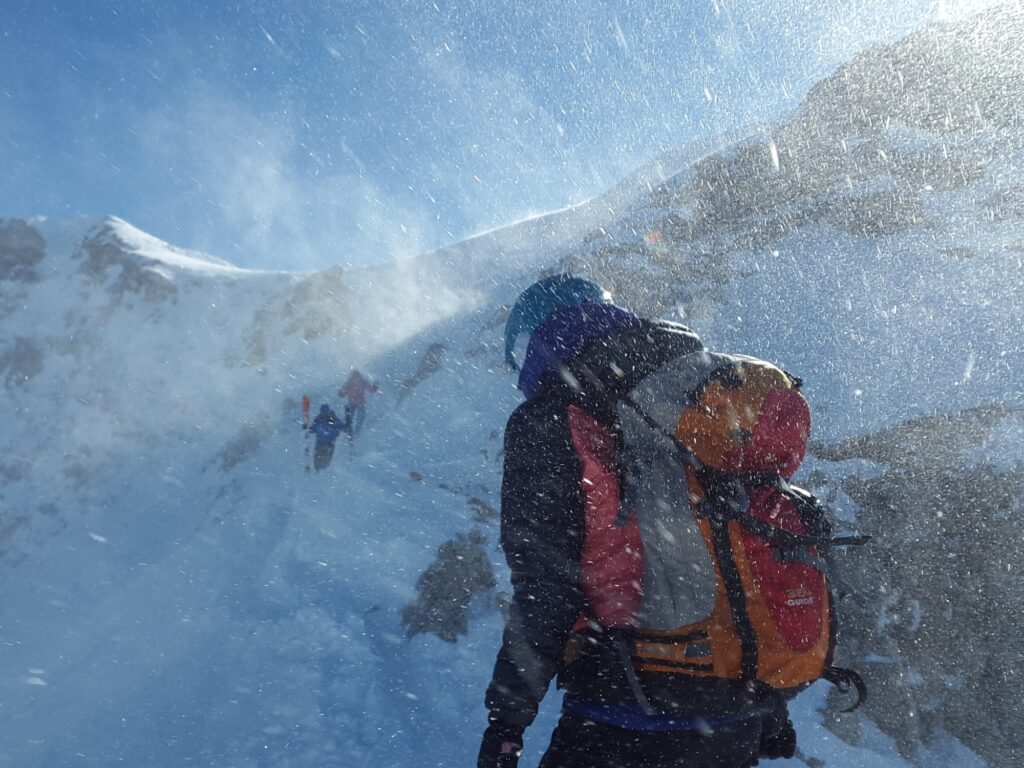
(501,746)
(778,739)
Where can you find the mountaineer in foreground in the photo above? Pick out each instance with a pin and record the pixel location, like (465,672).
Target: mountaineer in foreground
(662,566)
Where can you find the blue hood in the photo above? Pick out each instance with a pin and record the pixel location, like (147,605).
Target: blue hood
(537,302)
(562,335)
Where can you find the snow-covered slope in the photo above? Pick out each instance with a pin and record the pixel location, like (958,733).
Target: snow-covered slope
(155,515)
(178,590)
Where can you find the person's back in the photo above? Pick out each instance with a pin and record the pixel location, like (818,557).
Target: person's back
(569,556)
(355,390)
(325,427)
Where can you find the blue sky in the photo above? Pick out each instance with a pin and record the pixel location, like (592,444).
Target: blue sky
(301,134)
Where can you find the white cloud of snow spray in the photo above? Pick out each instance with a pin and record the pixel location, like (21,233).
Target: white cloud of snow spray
(253,177)
(251,174)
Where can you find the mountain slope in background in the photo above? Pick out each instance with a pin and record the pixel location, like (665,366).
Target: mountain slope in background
(872,242)
(178,590)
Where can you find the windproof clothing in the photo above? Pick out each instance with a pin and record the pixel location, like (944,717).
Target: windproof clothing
(564,333)
(563,478)
(322,455)
(326,426)
(580,742)
(541,299)
(355,389)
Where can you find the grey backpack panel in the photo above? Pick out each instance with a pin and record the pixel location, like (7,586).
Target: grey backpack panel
(679,577)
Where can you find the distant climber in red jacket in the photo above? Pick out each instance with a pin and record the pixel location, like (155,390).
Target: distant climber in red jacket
(354,390)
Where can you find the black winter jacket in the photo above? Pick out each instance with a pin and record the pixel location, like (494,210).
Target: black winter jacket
(542,520)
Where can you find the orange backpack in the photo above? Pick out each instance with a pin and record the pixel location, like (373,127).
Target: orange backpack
(735,583)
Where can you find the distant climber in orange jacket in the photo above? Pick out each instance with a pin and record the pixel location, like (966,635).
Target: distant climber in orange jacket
(354,390)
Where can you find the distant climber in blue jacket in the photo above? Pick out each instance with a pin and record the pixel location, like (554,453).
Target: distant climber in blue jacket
(326,426)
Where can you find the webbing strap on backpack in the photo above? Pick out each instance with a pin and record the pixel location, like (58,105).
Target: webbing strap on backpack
(726,500)
(622,647)
(737,599)
(729,489)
